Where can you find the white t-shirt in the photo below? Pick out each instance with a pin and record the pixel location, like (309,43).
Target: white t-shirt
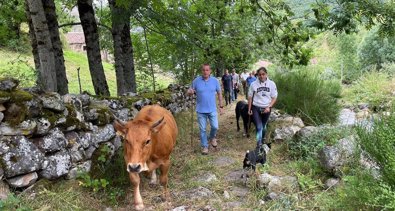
(235,78)
(244,76)
(264,92)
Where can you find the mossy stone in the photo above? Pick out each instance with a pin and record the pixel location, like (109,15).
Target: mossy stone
(105,115)
(71,119)
(16,96)
(8,83)
(97,163)
(51,116)
(15,114)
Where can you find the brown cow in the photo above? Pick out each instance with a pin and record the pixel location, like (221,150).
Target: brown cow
(149,141)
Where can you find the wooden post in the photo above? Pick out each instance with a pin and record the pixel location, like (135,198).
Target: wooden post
(192,108)
(79,79)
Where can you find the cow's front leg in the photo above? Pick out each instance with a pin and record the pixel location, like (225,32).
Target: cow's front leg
(138,201)
(163,178)
(152,166)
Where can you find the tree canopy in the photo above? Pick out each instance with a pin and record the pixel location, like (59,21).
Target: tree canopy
(177,36)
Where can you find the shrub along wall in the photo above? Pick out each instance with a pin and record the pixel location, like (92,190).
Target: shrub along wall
(45,135)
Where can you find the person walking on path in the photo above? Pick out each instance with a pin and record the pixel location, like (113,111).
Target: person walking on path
(227,85)
(265,96)
(249,81)
(236,83)
(205,87)
(243,78)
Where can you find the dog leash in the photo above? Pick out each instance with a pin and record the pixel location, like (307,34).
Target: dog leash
(249,116)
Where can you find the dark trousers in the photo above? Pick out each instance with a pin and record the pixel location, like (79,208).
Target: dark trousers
(227,96)
(245,90)
(261,120)
(235,91)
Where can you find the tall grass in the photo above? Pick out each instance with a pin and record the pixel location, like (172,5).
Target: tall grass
(304,94)
(379,143)
(359,191)
(374,87)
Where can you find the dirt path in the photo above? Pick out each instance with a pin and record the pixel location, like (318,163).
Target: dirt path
(206,182)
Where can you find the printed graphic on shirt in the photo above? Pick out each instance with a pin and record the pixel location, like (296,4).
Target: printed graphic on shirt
(263,89)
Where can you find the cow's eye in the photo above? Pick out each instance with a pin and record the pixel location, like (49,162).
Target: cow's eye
(147,142)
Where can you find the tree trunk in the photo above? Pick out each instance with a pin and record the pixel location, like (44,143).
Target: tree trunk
(149,59)
(128,69)
(123,49)
(33,43)
(53,26)
(44,46)
(117,41)
(91,34)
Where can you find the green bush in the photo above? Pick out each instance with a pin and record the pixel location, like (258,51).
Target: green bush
(379,142)
(373,88)
(304,94)
(21,69)
(376,50)
(359,192)
(348,58)
(108,177)
(308,147)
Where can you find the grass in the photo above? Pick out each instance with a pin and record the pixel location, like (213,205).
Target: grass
(375,88)
(21,66)
(52,195)
(73,61)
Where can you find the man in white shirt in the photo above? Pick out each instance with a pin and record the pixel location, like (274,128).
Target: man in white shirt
(243,77)
(236,82)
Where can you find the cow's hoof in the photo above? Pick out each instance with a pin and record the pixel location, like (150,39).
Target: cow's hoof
(166,197)
(153,184)
(139,206)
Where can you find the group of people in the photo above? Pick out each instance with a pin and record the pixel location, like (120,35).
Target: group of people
(231,84)
(260,91)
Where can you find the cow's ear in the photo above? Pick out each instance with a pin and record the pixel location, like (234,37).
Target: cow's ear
(157,126)
(120,127)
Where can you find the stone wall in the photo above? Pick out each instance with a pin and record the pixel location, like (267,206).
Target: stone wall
(45,135)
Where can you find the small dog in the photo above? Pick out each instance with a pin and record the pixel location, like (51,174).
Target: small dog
(252,158)
(242,110)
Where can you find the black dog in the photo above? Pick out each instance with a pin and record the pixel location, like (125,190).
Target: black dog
(252,158)
(242,110)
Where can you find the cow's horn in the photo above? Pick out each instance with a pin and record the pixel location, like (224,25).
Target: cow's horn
(157,123)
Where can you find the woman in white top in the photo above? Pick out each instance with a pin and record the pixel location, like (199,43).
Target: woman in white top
(262,96)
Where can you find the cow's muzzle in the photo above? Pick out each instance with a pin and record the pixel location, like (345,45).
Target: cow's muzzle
(136,168)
